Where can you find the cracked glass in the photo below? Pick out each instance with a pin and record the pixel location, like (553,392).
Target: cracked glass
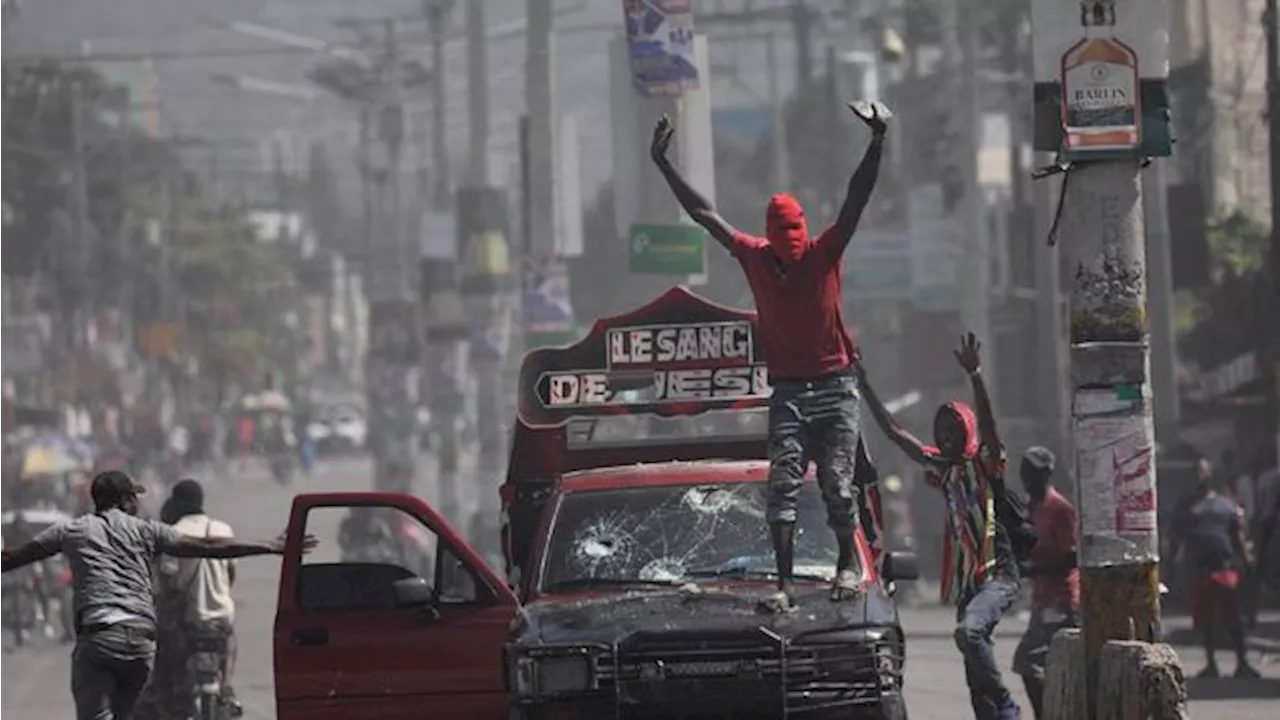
(675,533)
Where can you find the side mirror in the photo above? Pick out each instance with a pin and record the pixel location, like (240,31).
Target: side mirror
(901,566)
(412,592)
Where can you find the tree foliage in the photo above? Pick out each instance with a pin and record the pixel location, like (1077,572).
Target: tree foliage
(145,213)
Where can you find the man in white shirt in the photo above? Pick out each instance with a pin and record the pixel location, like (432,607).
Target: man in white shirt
(202,587)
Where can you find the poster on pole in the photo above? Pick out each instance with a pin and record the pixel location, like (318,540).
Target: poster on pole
(1101,71)
(660,43)
(1117,474)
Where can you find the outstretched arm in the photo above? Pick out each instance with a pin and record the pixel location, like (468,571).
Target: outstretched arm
(863,180)
(968,357)
(222,548)
(693,202)
(900,437)
(23,556)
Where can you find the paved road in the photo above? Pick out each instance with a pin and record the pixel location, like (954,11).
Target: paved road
(35,679)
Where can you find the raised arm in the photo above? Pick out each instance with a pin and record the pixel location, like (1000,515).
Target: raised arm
(969,358)
(900,437)
(693,202)
(863,180)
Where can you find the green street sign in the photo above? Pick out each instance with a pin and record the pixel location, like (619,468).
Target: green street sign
(667,250)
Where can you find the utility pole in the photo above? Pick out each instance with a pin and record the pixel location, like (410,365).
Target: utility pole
(79,217)
(1103,245)
(1271,29)
(540,100)
(975,263)
(437,12)
(1270,23)
(1164,345)
(478,92)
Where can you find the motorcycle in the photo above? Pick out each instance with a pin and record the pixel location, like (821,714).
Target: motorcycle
(208,652)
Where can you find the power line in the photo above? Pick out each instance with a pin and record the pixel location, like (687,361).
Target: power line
(163,55)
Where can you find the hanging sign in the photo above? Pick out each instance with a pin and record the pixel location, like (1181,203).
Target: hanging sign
(1101,79)
(1101,105)
(660,43)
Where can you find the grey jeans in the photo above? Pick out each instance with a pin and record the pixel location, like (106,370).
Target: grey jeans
(109,668)
(814,420)
(976,621)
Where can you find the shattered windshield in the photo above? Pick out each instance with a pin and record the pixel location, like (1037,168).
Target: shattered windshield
(678,533)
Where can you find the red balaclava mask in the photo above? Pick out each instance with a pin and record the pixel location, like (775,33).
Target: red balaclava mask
(785,228)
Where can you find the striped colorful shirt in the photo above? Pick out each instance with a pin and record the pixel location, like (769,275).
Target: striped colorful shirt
(969,552)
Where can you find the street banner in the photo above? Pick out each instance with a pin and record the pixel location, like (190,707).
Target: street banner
(1101,69)
(667,250)
(660,43)
(546,307)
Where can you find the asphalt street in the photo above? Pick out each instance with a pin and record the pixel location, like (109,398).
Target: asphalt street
(35,679)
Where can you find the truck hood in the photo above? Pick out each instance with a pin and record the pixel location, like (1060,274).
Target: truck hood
(611,617)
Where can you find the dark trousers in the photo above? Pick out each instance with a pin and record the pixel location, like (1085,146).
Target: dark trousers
(109,668)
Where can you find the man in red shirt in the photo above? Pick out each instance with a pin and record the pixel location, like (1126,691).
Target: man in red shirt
(1055,589)
(795,279)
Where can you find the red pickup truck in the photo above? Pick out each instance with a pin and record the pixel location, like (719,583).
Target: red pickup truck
(636,554)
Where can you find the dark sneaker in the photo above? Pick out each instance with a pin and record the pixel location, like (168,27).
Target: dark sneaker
(1210,671)
(846,585)
(1245,671)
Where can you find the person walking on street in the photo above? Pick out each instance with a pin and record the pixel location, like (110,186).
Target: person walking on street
(201,587)
(1054,575)
(796,282)
(111,552)
(1210,535)
(979,567)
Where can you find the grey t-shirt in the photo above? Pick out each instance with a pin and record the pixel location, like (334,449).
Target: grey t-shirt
(110,555)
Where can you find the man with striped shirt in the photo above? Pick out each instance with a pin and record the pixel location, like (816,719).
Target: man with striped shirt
(979,569)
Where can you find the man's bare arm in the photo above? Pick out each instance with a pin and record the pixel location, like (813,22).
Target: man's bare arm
(694,203)
(899,435)
(970,360)
(23,556)
(222,548)
(857,195)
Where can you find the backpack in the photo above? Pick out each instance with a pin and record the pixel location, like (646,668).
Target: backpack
(1013,512)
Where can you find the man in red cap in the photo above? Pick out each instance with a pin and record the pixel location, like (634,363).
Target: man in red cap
(795,279)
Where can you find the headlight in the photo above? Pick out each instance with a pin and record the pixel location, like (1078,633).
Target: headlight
(552,675)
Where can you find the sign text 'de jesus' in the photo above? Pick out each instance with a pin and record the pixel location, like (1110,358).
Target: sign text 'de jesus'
(689,362)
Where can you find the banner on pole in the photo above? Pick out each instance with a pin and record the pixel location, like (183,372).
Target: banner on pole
(1101,78)
(660,42)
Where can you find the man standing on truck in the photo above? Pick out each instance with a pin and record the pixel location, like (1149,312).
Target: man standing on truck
(979,567)
(111,552)
(796,281)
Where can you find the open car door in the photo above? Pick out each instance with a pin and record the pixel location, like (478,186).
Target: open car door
(391,616)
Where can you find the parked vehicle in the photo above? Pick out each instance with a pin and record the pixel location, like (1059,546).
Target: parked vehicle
(636,555)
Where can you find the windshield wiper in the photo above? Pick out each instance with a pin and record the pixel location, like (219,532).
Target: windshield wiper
(745,572)
(582,582)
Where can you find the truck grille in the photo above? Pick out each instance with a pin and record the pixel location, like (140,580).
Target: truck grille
(710,675)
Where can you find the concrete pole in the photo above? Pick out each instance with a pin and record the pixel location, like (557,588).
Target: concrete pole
(777,108)
(437,14)
(975,265)
(540,100)
(1164,346)
(1103,243)
(1050,307)
(478,92)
